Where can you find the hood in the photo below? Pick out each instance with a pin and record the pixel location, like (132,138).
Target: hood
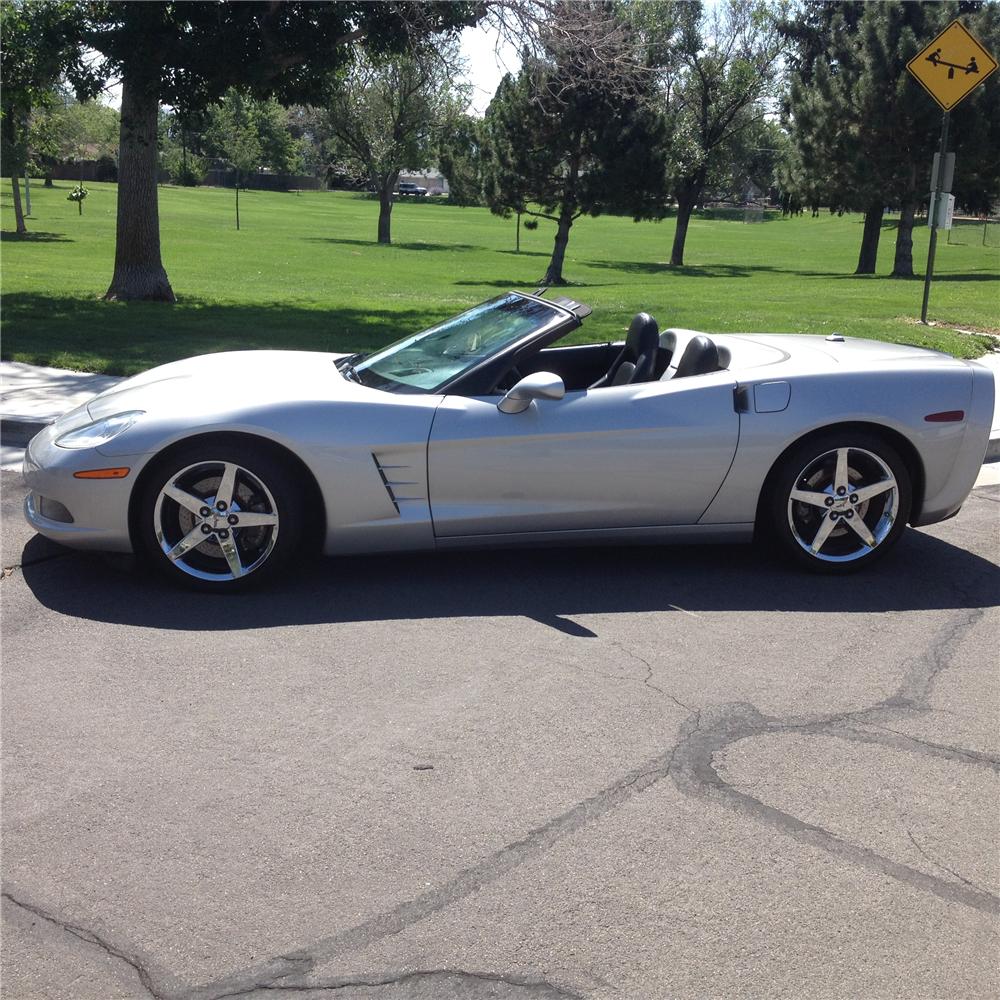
(228,381)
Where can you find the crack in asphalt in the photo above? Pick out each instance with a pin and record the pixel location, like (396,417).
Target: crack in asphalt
(939,864)
(9,570)
(915,690)
(696,775)
(90,937)
(646,681)
(524,987)
(466,883)
(904,741)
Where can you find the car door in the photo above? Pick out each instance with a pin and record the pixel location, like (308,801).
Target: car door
(650,454)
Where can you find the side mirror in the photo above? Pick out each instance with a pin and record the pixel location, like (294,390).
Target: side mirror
(540,385)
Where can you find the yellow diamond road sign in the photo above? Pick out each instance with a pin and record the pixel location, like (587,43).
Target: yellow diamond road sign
(952,66)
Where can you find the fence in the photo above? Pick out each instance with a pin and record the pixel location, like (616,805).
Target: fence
(262,182)
(104,169)
(968,232)
(748,214)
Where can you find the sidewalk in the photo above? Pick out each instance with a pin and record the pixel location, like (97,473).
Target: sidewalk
(31,397)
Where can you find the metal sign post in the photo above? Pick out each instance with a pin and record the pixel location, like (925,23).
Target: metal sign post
(949,69)
(936,211)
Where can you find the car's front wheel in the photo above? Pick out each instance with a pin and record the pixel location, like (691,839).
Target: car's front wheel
(840,501)
(220,516)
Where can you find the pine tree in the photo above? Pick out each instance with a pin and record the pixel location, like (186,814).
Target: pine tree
(460,160)
(866,131)
(562,140)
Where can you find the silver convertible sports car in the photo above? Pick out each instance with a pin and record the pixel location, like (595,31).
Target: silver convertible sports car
(483,430)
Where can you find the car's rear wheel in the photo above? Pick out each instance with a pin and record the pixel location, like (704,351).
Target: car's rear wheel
(840,501)
(220,516)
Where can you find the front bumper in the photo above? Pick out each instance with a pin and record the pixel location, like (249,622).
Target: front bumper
(99,507)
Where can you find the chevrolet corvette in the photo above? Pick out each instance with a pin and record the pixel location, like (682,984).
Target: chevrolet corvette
(487,430)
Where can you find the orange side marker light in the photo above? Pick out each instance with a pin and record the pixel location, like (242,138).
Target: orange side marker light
(119,473)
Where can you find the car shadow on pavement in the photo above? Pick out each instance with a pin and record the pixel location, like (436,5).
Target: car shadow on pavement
(547,585)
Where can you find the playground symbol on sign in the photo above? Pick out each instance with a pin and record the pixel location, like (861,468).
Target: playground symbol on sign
(952,65)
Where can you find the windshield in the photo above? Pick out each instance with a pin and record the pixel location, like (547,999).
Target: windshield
(429,360)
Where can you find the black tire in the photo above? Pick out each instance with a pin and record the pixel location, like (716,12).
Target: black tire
(230,557)
(856,520)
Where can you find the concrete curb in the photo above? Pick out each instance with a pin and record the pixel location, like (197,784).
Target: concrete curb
(17,433)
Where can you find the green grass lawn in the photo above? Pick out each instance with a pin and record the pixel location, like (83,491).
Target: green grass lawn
(305,272)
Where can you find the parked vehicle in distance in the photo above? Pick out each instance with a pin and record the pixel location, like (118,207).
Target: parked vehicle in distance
(483,430)
(406,188)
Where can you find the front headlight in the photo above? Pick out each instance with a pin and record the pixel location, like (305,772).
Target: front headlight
(99,432)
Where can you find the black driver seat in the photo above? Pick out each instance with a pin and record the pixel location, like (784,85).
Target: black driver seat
(636,362)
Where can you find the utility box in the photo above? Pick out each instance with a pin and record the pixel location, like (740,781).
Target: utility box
(946,213)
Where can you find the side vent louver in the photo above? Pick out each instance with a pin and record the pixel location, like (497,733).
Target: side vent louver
(394,482)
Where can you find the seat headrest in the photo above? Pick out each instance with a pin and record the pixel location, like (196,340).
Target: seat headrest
(643,335)
(700,357)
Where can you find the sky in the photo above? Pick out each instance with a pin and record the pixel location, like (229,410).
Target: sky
(487,59)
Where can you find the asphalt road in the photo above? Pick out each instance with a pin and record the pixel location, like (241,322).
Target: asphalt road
(661,773)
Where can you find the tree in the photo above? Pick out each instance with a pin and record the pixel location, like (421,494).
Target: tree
(235,134)
(248,134)
(37,47)
(563,139)
(187,55)
(718,66)
(65,129)
(828,164)
(460,158)
(386,114)
(179,137)
(859,117)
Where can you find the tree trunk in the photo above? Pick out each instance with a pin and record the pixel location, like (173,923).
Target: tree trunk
(139,272)
(48,181)
(18,211)
(902,266)
(685,206)
(237,201)
(385,215)
(553,274)
(869,239)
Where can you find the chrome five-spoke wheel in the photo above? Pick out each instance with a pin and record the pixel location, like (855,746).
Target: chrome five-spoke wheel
(214,516)
(842,501)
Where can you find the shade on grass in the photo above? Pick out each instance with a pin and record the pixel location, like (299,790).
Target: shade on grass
(305,272)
